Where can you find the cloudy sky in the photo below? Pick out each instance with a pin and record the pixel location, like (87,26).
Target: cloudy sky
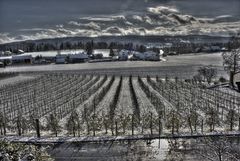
(37,19)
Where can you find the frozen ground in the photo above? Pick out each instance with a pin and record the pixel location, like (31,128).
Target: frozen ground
(181,66)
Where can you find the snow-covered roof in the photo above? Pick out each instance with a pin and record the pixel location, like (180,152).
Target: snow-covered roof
(161,52)
(5,57)
(20,51)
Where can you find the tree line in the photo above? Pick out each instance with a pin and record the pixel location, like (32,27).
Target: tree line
(88,46)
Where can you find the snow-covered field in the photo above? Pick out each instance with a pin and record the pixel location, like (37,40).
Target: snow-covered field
(105,52)
(181,66)
(62,89)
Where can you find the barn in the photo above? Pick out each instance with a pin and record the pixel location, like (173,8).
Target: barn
(77,58)
(22,59)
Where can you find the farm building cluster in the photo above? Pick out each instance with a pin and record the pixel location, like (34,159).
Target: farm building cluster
(8,58)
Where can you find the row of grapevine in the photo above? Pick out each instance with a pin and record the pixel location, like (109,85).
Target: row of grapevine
(78,104)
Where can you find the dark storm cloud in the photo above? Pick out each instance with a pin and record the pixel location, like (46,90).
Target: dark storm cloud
(33,19)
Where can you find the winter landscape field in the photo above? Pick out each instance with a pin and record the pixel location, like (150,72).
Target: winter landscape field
(139,99)
(129,80)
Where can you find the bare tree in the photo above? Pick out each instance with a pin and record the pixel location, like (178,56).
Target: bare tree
(217,149)
(231,118)
(208,73)
(231,63)
(53,124)
(173,121)
(73,123)
(197,78)
(212,118)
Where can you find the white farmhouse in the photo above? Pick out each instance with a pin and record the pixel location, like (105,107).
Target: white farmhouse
(6,53)
(123,55)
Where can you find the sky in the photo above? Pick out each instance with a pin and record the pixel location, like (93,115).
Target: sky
(37,19)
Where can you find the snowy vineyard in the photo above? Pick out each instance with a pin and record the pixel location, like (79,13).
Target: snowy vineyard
(72,104)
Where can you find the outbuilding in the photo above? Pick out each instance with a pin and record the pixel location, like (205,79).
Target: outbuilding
(60,59)
(22,59)
(2,65)
(137,56)
(77,58)
(151,56)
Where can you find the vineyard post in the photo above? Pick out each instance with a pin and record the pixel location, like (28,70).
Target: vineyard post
(132,124)
(190,124)
(214,120)
(38,128)
(94,115)
(116,128)
(19,127)
(86,119)
(195,122)
(173,122)
(1,131)
(151,123)
(4,127)
(176,79)
(222,113)
(177,126)
(159,129)
(105,124)
(239,124)
(73,128)
(79,128)
(231,119)
(94,131)
(202,126)
(112,129)
(4,122)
